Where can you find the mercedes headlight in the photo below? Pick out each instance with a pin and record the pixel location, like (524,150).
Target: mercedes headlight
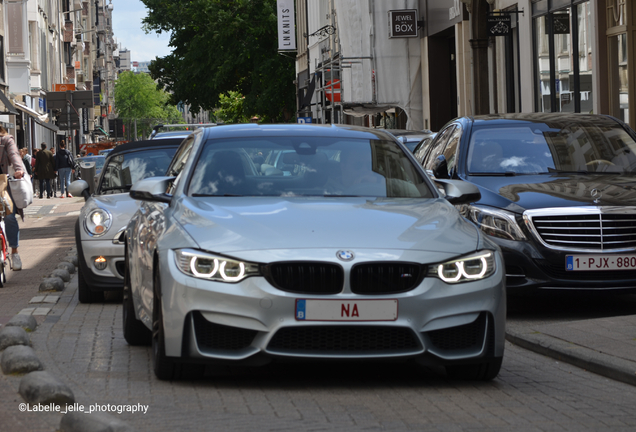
(207,266)
(98,222)
(476,266)
(496,223)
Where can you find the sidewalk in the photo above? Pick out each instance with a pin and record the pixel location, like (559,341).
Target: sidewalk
(605,346)
(46,236)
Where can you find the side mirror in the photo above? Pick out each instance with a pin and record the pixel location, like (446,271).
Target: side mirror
(152,189)
(440,168)
(80,188)
(459,192)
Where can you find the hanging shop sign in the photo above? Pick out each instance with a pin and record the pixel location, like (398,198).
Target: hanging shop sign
(561,23)
(403,23)
(499,25)
(286,27)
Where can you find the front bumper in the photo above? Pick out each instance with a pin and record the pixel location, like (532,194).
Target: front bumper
(110,278)
(436,323)
(530,268)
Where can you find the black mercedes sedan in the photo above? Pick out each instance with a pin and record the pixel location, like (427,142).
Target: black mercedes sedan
(558,195)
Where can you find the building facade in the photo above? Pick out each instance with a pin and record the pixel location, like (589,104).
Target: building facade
(57,73)
(429,61)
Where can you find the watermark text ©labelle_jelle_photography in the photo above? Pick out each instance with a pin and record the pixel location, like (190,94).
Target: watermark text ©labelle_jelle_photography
(88,409)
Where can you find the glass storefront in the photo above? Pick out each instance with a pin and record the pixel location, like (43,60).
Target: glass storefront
(563,58)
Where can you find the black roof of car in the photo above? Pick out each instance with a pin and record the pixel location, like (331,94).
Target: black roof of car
(293,129)
(135,145)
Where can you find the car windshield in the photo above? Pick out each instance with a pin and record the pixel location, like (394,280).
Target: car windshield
(303,166)
(579,146)
(124,169)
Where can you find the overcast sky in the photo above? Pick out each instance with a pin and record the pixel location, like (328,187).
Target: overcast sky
(127,16)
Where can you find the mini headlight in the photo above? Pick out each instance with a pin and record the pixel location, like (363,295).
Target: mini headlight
(204,265)
(98,222)
(497,223)
(466,269)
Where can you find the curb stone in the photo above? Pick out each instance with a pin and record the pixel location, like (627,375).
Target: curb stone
(582,357)
(42,387)
(27,322)
(19,359)
(12,336)
(62,274)
(52,284)
(94,422)
(72,259)
(67,266)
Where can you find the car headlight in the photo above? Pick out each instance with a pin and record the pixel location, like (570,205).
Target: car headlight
(496,223)
(207,266)
(98,222)
(476,266)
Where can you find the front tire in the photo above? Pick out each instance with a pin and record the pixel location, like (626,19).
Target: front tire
(167,368)
(84,292)
(485,371)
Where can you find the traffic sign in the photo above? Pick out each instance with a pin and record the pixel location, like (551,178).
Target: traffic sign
(303,120)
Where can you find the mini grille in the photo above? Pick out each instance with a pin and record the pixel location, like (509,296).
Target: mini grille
(385,278)
(461,337)
(344,339)
(601,231)
(221,337)
(306,277)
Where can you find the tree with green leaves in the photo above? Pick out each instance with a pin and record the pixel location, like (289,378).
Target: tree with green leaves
(231,108)
(223,46)
(137,100)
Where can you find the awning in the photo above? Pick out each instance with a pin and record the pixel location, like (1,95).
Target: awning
(100,131)
(40,119)
(10,109)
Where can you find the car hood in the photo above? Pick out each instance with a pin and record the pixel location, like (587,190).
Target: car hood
(121,207)
(231,224)
(528,192)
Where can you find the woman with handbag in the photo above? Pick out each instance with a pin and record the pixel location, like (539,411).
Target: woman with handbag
(9,155)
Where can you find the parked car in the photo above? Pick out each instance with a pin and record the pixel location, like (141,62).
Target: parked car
(82,164)
(420,149)
(105,151)
(106,212)
(350,254)
(411,138)
(557,195)
(164,131)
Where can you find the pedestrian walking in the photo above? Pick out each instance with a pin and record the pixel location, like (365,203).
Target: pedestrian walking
(65,165)
(45,170)
(26,160)
(36,184)
(9,155)
(54,179)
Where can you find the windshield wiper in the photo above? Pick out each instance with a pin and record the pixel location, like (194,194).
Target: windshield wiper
(214,195)
(555,171)
(123,187)
(498,174)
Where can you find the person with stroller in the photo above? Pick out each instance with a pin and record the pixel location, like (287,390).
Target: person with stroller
(9,155)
